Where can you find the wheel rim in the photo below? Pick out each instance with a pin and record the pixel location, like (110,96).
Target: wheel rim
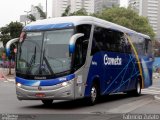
(93,94)
(138,88)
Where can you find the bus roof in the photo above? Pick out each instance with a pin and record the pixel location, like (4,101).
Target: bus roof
(63,22)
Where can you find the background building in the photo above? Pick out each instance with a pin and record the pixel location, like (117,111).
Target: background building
(149,9)
(33,11)
(111,3)
(135,4)
(59,6)
(91,6)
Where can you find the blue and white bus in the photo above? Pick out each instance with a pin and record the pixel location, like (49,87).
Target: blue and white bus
(75,57)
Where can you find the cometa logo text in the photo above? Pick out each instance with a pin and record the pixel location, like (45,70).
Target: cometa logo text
(112,61)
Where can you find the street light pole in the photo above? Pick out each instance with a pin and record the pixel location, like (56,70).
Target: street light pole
(46,8)
(27,16)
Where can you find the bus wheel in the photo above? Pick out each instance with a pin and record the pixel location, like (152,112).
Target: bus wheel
(47,102)
(93,95)
(137,91)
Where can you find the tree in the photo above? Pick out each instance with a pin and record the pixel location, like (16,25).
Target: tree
(31,17)
(127,18)
(15,29)
(8,32)
(42,14)
(81,12)
(4,37)
(67,11)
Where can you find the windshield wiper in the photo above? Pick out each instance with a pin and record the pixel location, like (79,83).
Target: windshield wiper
(47,63)
(33,58)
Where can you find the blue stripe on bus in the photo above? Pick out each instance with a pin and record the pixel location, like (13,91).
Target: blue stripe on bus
(47,82)
(136,74)
(47,27)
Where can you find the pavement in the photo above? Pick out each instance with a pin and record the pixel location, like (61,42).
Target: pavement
(155,88)
(4,74)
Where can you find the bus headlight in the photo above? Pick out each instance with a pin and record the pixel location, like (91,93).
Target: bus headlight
(66,83)
(18,84)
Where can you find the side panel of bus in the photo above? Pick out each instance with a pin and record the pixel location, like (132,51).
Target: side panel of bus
(113,64)
(143,48)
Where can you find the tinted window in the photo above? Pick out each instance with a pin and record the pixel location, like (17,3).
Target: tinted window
(108,40)
(143,46)
(85,29)
(148,47)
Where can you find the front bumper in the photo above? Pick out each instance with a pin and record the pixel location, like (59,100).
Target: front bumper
(55,92)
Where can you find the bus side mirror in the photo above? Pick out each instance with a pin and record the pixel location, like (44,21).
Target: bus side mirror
(73,41)
(8,45)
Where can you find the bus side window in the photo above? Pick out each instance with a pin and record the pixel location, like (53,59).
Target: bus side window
(80,52)
(138,43)
(95,41)
(82,45)
(117,41)
(148,47)
(107,40)
(127,45)
(99,42)
(84,49)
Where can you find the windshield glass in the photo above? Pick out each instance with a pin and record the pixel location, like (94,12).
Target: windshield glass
(44,53)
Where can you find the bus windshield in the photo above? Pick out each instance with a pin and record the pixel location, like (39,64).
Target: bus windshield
(44,53)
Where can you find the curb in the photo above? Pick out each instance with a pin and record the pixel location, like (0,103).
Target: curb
(157,98)
(8,79)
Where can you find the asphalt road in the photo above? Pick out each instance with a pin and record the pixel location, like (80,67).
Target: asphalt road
(109,107)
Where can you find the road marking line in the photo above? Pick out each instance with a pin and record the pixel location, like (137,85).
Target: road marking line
(154,88)
(150,91)
(125,108)
(11,80)
(156,97)
(5,81)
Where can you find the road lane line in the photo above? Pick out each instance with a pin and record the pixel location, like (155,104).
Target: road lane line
(5,81)
(153,91)
(158,88)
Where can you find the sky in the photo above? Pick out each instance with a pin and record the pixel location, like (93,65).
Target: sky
(10,10)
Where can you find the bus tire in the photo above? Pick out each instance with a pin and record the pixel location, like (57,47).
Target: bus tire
(137,91)
(92,99)
(47,102)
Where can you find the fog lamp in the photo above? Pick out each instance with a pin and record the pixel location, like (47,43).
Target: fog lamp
(19,84)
